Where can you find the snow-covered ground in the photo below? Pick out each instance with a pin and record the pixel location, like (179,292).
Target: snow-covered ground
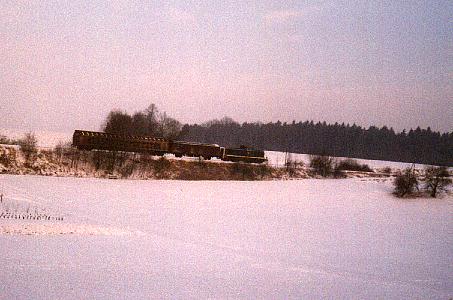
(301,239)
(277,159)
(46,139)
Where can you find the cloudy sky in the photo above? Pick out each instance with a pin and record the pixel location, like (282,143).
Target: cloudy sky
(66,64)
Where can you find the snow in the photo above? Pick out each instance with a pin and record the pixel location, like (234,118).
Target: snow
(296,239)
(52,228)
(46,139)
(277,159)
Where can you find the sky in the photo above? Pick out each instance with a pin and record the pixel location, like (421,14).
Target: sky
(66,64)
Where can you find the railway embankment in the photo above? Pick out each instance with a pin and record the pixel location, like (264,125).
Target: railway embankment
(71,162)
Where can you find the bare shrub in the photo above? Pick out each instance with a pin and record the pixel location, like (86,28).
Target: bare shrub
(108,160)
(146,162)
(352,165)
(263,170)
(200,170)
(7,156)
(201,162)
(121,158)
(161,165)
(28,146)
(436,179)
(405,183)
(7,141)
(338,173)
(292,165)
(60,149)
(386,170)
(244,170)
(322,165)
(127,169)
(5,159)
(73,155)
(97,159)
(103,160)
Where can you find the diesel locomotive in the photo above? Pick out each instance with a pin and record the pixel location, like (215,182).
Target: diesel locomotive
(91,140)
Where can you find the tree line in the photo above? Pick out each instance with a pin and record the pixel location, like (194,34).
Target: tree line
(416,146)
(422,146)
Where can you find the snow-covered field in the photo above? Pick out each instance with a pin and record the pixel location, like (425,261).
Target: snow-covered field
(277,159)
(301,239)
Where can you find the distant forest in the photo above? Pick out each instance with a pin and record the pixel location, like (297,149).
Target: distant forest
(422,146)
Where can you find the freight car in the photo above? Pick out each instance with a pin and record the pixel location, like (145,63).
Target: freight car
(207,151)
(90,140)
(244,154)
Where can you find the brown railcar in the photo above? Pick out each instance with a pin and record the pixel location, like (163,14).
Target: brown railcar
(90,140)
(244,154)
(207,151)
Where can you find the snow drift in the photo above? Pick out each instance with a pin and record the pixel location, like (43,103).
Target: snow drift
(304,239)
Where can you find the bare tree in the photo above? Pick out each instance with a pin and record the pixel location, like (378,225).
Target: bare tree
(291,164)
(28,145)
(168,128)
(322,165)
(148,122)
(152,119)
(118,122)
(140,124)
(61,148)
(406,183)
(436,178)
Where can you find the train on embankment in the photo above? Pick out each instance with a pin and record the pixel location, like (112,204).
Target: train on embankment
(91,140)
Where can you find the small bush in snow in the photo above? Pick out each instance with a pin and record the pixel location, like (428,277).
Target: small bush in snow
(7,141)
(338,173)
(436,179)
(28,145)
(126,169)
(353,165)
(245,170)
(386,170)
(61,148)
(405,183)
(4,160)
(161,165)
(7,157)
(263,170)
(322,165)
(201,162)
(292,165)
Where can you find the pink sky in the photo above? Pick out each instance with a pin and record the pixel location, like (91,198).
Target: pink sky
(65,65)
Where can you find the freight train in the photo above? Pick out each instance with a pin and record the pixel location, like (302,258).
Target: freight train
(90,140)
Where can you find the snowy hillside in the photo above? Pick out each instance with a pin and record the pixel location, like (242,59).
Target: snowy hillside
(49,139)
(46,139)
(304,239)
(278,159)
